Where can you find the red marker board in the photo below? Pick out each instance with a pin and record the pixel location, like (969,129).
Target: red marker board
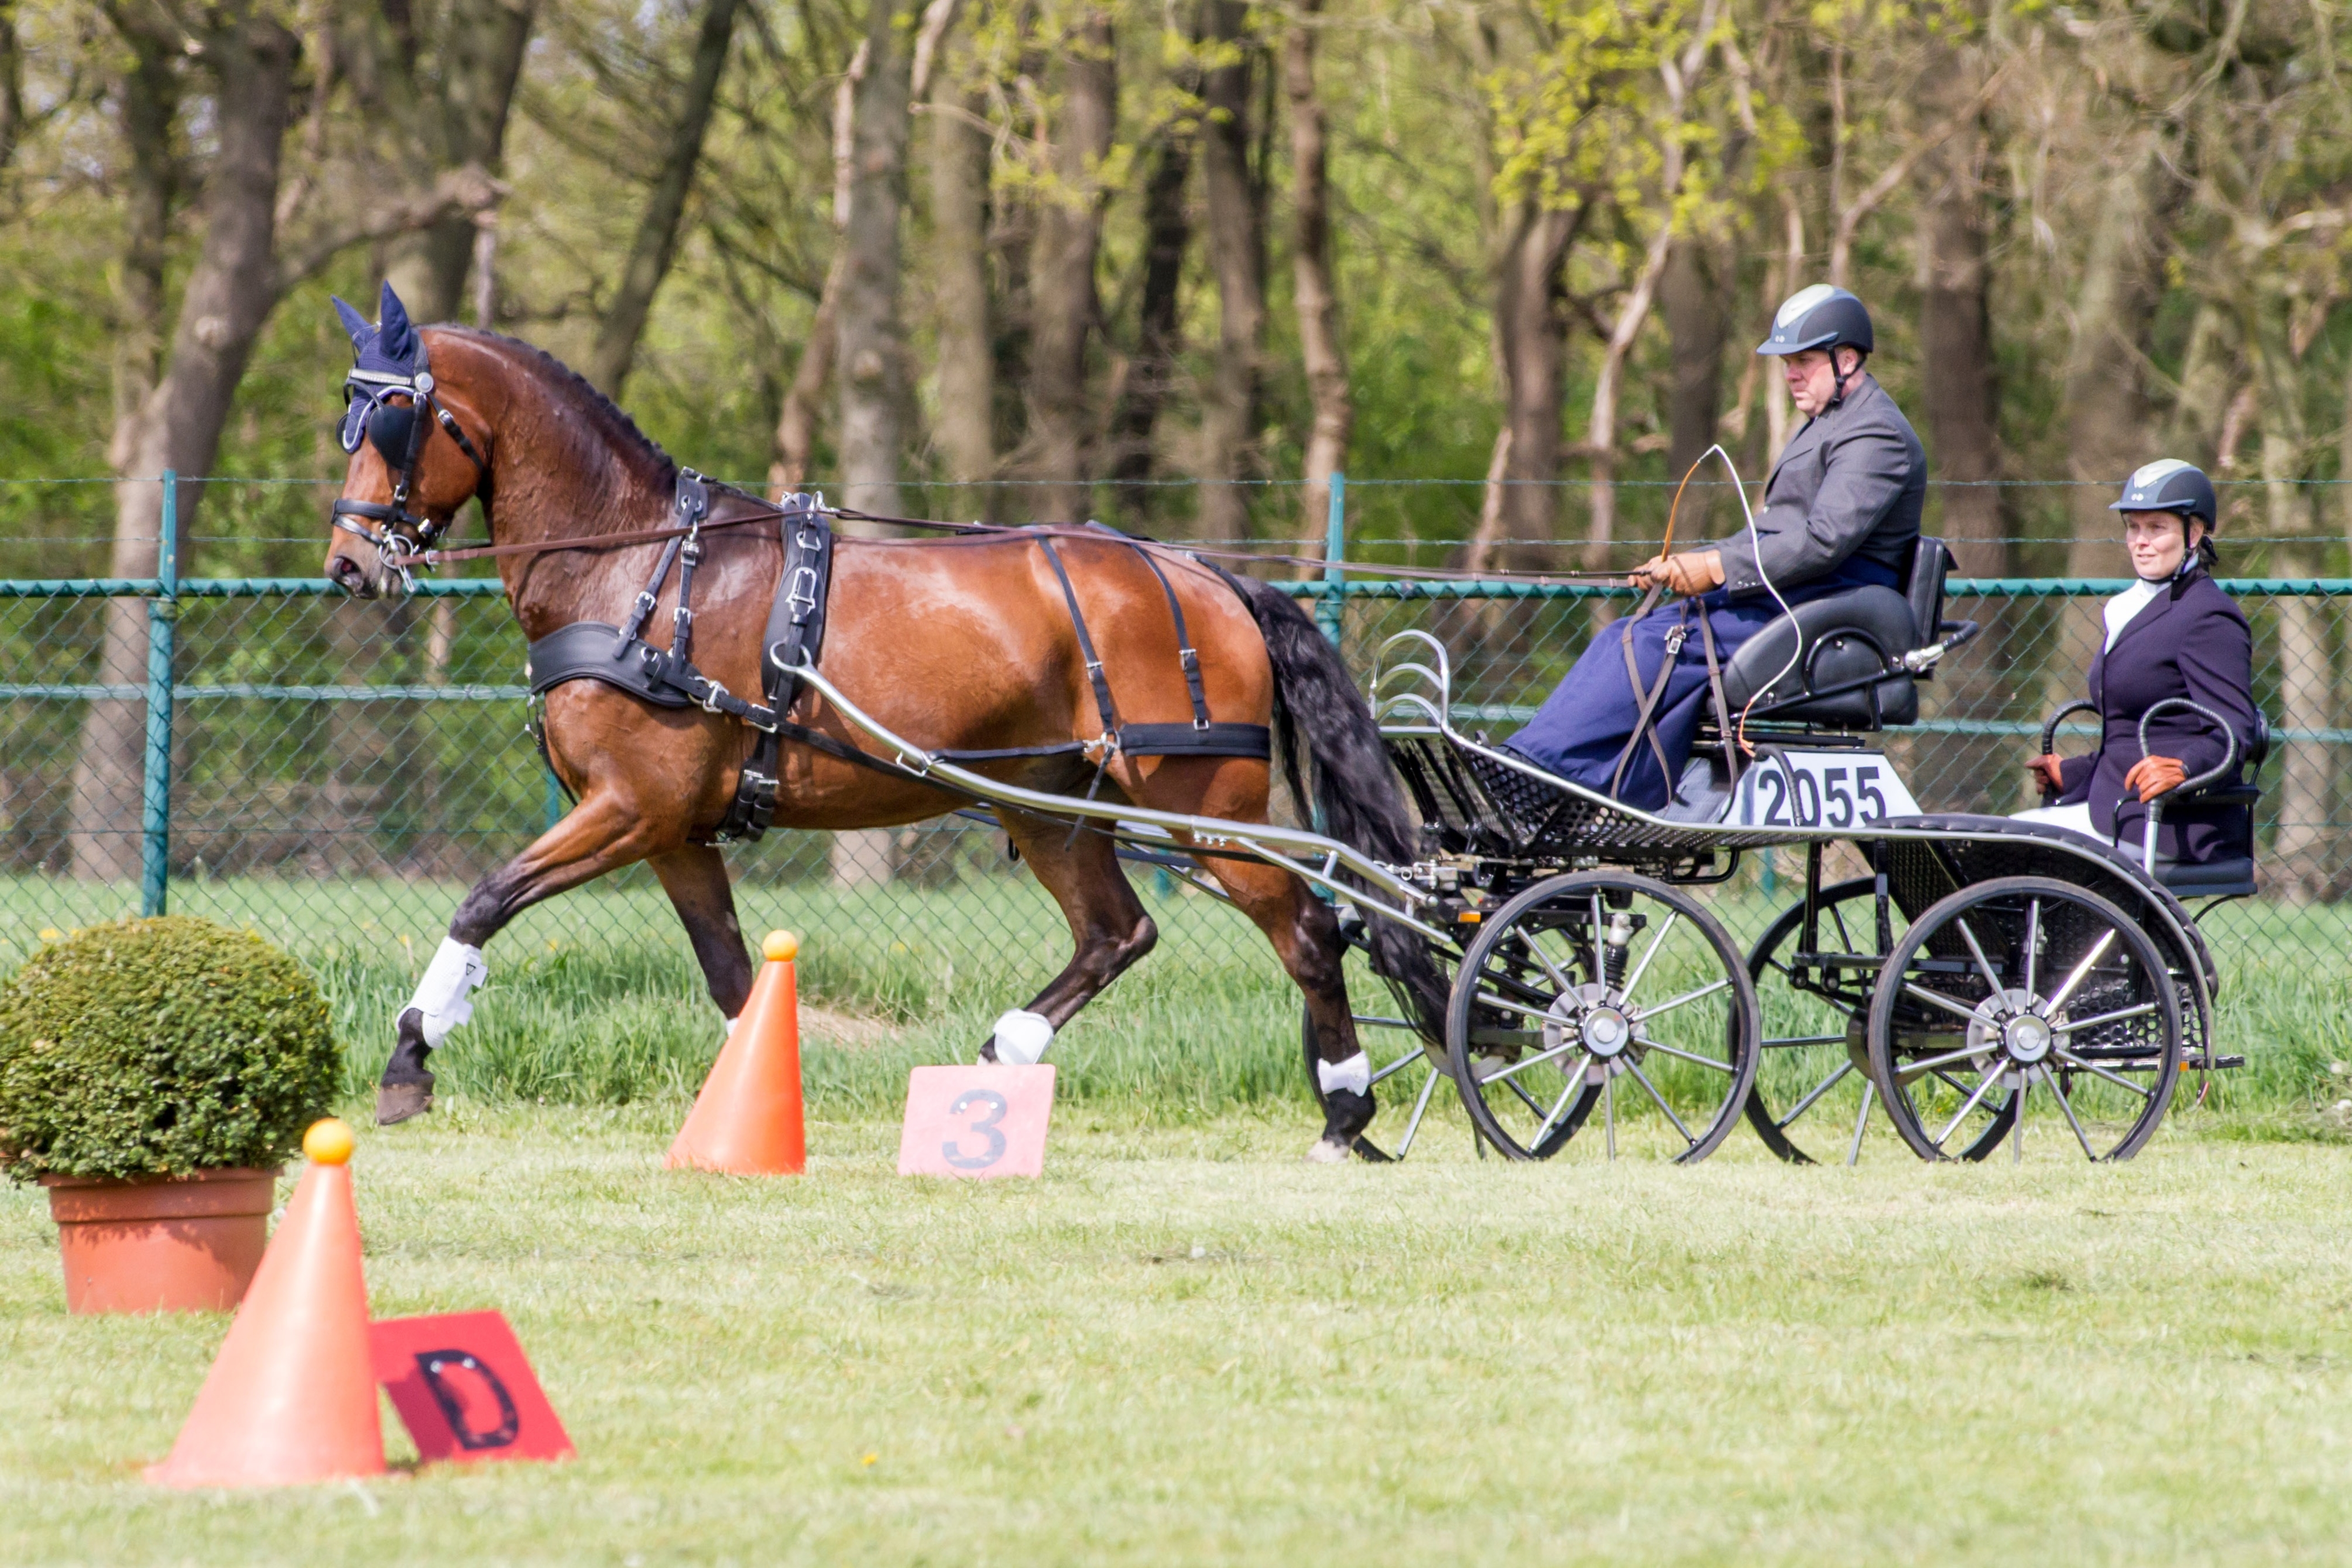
(464,1389)
(976,1121)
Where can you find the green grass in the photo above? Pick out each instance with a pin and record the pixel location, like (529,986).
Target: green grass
(594,999)
(1183,1346)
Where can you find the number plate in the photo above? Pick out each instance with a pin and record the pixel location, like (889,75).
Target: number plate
(976,1121)
(1836,790)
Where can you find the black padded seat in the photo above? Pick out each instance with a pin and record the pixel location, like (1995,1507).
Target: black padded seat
(2231,878)
(1848,636)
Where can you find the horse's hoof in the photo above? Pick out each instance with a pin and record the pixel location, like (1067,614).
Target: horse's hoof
(396,1102)
(988,1051)
(1329,1152)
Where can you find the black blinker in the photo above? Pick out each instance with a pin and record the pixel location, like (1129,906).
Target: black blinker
(389,430)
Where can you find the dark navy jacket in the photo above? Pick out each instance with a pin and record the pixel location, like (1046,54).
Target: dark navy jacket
(2192,642)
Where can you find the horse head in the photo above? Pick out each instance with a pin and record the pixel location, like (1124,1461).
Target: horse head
(412,464)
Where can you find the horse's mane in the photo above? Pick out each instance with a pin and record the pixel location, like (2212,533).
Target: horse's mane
(635,442)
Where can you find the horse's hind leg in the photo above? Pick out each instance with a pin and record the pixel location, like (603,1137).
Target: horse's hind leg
(1107,922)
(1305,936)
(600,834)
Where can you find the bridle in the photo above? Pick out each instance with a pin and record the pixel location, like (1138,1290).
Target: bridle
(399,436)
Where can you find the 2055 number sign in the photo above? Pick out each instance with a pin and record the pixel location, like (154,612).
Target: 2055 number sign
(1820,789)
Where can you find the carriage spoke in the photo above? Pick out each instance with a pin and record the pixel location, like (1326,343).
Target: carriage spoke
(1399,1065)
(1823,1087)
(1540,1013)
(1558,1106)
(1853,1153)
(2017,1120)
(1609,1110)
(1419,1106)
(2116,1017)
(1656,942)
(1530,1100)
(2070,1059)
(1643,1015)
(1976,951)
(2082,970)
(1929,1064)
(1644,1079)
(1992,1077)
(1692,1055)
(2051,1079)
(1941,1000)
(1535,1060)
(1543,959)
(1790,1041)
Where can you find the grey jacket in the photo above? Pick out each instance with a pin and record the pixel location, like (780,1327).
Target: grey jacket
(1851,482)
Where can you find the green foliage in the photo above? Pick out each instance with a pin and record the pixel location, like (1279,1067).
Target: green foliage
(159,1046)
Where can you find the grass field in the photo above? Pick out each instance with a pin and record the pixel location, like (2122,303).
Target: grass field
(1183,1346)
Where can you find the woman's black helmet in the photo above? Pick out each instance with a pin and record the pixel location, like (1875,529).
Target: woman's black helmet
(2169,485)
(1820,317)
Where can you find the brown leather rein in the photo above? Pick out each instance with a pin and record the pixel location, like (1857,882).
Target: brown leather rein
(769,511)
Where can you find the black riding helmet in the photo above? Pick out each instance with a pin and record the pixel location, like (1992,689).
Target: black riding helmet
(2169,485)
(1820,317)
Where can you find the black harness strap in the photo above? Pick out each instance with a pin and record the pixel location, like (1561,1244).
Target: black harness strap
(1085,651)
(794,639)
(1187,656)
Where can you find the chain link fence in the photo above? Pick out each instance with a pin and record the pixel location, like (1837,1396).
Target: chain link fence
(336,773)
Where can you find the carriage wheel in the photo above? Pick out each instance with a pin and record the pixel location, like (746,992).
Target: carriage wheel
(2033,987)
(1602,995)
(1406,1070)
(1812,1097)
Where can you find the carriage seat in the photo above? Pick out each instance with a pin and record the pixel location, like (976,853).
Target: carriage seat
(1855,674)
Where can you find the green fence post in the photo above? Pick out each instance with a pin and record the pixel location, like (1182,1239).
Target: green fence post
(1330,606)
(155,794)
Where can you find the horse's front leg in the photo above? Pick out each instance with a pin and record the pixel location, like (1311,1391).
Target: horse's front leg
(696,880)
(1107,925)
(604,831)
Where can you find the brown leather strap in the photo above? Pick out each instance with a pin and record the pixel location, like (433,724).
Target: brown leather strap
(1643,726)
(1715,685)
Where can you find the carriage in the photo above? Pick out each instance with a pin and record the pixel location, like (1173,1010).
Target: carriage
(1980,979)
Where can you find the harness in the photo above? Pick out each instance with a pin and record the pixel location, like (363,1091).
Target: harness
(1646,718)
(795,638)
(395,432)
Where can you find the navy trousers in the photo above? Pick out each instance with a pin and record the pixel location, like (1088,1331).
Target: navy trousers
(1581,729)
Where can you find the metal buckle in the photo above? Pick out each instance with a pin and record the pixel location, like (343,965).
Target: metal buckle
(803,594)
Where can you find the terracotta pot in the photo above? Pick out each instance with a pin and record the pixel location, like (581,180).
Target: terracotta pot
(163,1244)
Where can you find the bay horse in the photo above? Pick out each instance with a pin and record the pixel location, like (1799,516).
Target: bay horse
(965,643)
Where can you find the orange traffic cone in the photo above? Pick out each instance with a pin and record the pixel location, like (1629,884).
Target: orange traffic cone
(291,1396)
(747,1120)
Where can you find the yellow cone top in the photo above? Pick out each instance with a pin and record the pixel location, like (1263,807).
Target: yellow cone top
(330,1141)
(779,945)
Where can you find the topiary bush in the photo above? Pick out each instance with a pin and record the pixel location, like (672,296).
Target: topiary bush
(151,1047)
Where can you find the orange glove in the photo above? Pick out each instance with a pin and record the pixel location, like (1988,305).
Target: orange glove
(1691,572)
(2154,776)
(2046,769)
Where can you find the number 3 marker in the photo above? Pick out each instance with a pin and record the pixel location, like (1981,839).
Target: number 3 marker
(976,1121)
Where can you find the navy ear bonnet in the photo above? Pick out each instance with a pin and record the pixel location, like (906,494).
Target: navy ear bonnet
(2169,485)
(387,357)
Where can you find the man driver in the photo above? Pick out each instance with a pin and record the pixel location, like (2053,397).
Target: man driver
(1840,509)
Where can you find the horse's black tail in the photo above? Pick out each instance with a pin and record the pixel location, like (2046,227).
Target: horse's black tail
(1354,788)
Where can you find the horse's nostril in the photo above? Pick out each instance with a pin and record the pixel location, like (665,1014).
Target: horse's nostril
(346,573)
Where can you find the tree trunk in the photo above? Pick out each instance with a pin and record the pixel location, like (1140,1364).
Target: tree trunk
(965,427)
(1062,301)
(1696,330)
(1160,328)
(1322,348)
(1530,327)
(795,447)
(656,239)
(871,349)
(1236,202)
(480,61)
(1959,395)
(12,85)
(177,424)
